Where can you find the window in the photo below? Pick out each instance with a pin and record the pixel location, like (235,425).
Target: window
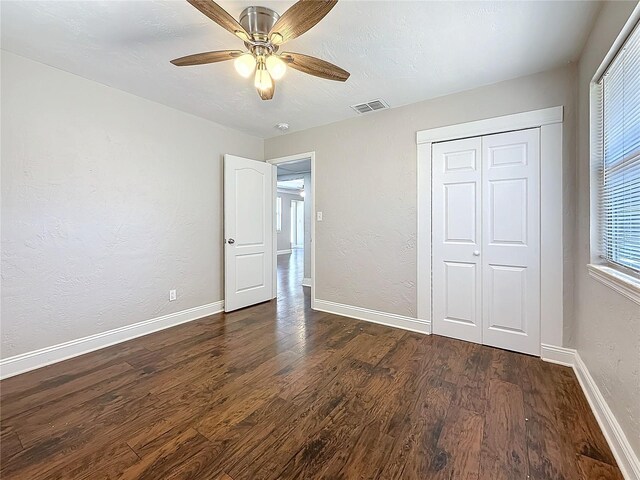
(617,144)
(279,214)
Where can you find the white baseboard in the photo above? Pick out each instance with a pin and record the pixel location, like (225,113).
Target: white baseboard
(284,252)
(560,355)
(306,282)
(626,458)
(383,318)
(46,356)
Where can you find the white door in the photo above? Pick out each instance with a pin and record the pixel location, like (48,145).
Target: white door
(511,241)
(249,225)
(486,240)
(457,173)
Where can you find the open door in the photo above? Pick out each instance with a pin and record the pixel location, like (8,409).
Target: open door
(249,230)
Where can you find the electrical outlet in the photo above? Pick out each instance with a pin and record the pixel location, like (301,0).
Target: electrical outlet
(319,216)
(172,295)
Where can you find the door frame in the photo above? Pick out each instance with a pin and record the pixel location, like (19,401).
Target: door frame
(288,159)
(550,121)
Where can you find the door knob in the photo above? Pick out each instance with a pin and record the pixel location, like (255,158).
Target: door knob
(476,253)
(231,241)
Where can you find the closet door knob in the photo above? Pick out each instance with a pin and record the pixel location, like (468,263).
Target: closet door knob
(476,253)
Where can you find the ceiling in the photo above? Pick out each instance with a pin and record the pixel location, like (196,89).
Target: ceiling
(400,51)
(294,169)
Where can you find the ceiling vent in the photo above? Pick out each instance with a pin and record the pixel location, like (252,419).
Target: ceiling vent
(371,106)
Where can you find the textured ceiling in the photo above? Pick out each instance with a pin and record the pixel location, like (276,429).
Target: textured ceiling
(298,167)
(400,51)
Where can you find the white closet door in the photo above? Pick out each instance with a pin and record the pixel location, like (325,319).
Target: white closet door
(511,241)
(457,172)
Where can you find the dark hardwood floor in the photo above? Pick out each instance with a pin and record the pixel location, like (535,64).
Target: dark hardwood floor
(280,391)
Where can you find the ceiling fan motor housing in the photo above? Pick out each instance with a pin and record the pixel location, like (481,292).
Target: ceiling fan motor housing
(258,21)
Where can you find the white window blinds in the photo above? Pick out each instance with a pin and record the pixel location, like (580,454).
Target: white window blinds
(619,193)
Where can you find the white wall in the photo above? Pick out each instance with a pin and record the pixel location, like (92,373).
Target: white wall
(108,201)
(607,326)
(366,188)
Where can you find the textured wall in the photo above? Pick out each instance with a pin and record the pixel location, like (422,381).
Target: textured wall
(366,187)
(108,201)
(607,327)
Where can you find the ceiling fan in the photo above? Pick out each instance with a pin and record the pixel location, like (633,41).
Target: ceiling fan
(263,32)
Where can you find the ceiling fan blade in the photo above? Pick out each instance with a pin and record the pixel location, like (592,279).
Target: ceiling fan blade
(298,19)
(219,15)
(206,57)
(315,66)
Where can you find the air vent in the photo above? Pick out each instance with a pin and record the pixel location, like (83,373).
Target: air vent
(371,106)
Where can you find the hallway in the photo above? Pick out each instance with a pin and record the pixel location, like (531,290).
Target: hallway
(291,294)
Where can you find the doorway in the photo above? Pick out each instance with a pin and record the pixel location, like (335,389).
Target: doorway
(295,227)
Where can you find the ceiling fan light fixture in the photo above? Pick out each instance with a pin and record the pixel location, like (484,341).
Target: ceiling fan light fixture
(263,30)
(263,80)
(276,67)
(245,64)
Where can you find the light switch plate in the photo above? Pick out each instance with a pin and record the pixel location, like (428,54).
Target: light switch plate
(319,216)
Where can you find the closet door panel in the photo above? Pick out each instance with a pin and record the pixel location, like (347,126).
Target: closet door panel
(511,241)
(456,230)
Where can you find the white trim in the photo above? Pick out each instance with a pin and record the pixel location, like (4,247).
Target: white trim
(551,235)
(285,191)
(551,208)
(275,231)
(624,284)
(506,123)
(560,355)
(374,316)
(312,157)
(46,356)
(626,459)
(292,158)
(306,282)
(424,235)
(284,252)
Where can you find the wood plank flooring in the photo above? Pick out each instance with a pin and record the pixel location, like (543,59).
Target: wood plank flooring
(280,391)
